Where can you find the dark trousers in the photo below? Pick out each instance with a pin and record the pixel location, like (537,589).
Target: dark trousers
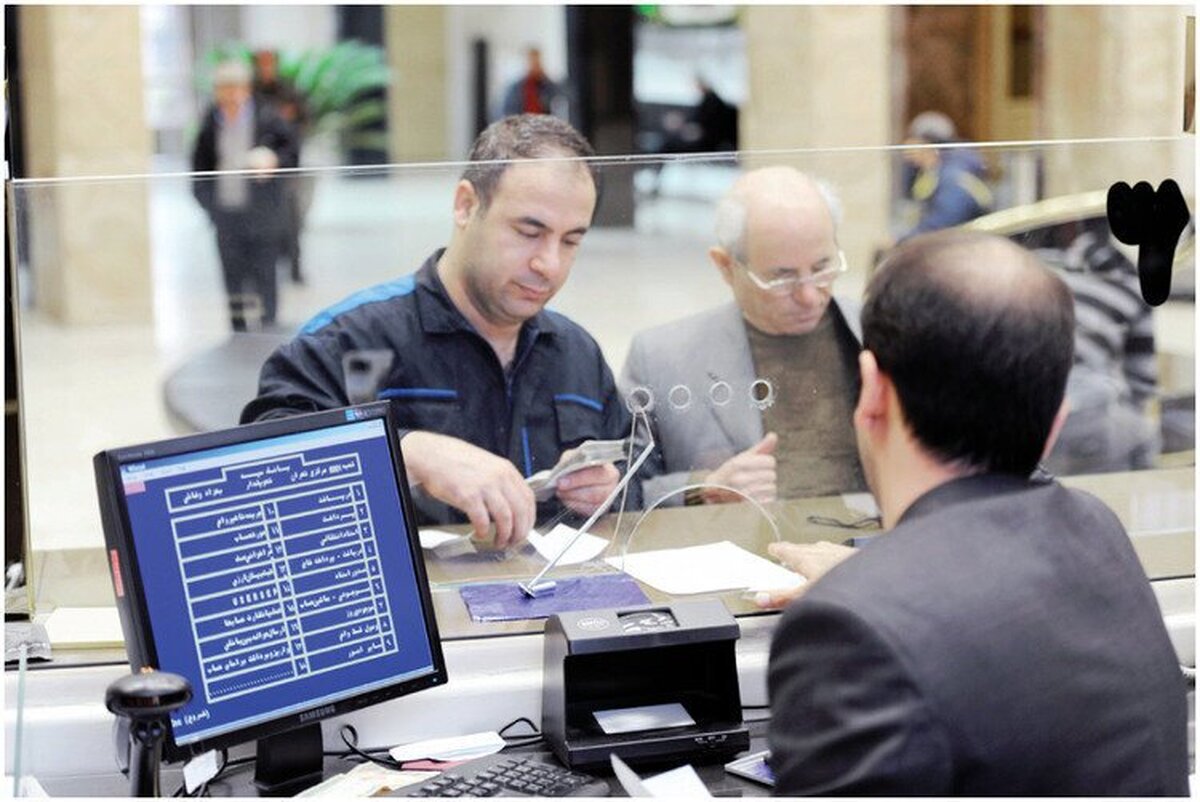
(248,251)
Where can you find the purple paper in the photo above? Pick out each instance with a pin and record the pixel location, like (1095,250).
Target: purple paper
(504,601)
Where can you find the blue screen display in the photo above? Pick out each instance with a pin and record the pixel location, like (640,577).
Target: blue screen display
(278,574)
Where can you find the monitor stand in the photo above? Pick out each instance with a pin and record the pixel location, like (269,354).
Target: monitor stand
(290,761)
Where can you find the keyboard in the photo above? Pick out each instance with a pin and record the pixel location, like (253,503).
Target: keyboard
(506,775)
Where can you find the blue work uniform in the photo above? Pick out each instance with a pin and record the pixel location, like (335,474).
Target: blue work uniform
(445,377)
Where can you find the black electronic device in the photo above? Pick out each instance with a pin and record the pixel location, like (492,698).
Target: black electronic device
(276,567)
(649,684)
(145,700)
(509,775)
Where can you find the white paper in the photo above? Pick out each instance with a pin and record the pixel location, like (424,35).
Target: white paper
(84,627)
(366,779)
(630,782)
(199,770)
(863,503)
(588,547)
(460,747)
(638,719)
(432,538)
(680,783)
(706,569)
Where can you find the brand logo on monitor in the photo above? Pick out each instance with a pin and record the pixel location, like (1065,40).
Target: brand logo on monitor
(320,712)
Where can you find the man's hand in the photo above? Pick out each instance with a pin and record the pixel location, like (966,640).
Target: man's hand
(752,472)
(487,488)
(810,560)
(583,490)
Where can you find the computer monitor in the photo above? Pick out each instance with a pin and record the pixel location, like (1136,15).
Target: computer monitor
(277,567)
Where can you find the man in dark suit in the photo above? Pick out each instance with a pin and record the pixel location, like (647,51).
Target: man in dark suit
(1002,638)
(247,210)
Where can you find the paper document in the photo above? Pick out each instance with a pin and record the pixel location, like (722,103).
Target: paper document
(680,783)
(461,747)
(365,779)
(639,719)
(84,628)
(588,547)
(432,538)
(706,569)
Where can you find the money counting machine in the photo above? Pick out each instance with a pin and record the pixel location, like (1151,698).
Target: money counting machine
(650,684)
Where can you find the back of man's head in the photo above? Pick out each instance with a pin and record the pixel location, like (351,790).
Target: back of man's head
(977,337)
(522,136)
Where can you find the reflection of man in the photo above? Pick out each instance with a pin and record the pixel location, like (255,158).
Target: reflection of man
(533,92)
(1002,638)
(947,183)
(247,211)
(757,394)
(1116,372)
(488,385)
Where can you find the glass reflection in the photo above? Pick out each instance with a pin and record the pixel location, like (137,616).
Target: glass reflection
(125,335)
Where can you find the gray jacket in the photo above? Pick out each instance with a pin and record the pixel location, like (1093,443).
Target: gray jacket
(700,373)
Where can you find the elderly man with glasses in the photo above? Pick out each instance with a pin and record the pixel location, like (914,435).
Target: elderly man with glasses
(756,395)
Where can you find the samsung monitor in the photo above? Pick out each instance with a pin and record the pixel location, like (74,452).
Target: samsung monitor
(277,567)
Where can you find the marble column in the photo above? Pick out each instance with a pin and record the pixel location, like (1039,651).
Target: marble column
(416,51)
(820,77)
(82,107)
(1114,71)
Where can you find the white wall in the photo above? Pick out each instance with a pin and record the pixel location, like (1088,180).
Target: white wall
(509,31)
(292,28)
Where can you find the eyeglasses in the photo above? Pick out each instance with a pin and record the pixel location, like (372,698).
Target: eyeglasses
(791,278)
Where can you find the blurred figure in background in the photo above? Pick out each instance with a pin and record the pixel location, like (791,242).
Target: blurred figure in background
(274,91)
(711,126)
(237,133)
(534,92)
(1115,373)
(947,183)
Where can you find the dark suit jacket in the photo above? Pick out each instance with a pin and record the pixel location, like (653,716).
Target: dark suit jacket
(266,194)
(1001,640)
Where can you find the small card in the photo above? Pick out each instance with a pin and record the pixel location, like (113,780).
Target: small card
(637,719)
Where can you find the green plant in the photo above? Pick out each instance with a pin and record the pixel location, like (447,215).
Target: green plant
(341,88)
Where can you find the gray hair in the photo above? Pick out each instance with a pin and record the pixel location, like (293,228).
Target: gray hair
(933,127)
(233,72)
(731,217)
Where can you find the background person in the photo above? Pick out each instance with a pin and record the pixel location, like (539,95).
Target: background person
(1115,374)
(533,92)
(947,184)
(488,386)
(272,89)
(248,212)
(777,250)
(1001,638)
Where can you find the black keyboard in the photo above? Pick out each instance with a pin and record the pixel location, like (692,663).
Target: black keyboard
(505,775)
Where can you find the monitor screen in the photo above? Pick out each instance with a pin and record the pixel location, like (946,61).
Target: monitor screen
(276,567)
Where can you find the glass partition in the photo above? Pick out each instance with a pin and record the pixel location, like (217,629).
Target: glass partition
(729,334)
